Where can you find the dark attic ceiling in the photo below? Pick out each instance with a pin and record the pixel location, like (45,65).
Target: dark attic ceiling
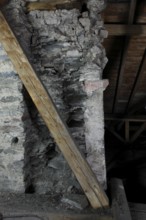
(125,98)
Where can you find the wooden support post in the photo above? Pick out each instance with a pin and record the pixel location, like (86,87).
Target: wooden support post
(119,201)
(51,117)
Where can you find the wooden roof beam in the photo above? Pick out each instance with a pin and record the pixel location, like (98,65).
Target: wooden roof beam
(134,118)
(123,30)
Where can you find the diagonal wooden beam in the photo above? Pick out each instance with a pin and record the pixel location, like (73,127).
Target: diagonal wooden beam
(120,73)
(124,56)
(112,131)
(51,117)
(138,78)
(138,132)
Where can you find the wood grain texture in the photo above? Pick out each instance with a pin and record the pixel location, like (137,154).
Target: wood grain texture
(53,5)
(118,12)
(48,111)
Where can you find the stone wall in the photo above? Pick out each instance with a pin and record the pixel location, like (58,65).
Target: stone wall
(12,131)
(65,47)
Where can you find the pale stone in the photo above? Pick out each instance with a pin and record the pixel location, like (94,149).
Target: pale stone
(75,201)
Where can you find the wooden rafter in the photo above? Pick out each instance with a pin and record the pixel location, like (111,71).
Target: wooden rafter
(124,56)
(51,117)
(120,73)
(142,69)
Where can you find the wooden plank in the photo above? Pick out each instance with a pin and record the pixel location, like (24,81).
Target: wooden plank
(138,132)
(138,78)
(119,201)
(124,56)
(118,12)
(51,117)
(53,5)
(122,30)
